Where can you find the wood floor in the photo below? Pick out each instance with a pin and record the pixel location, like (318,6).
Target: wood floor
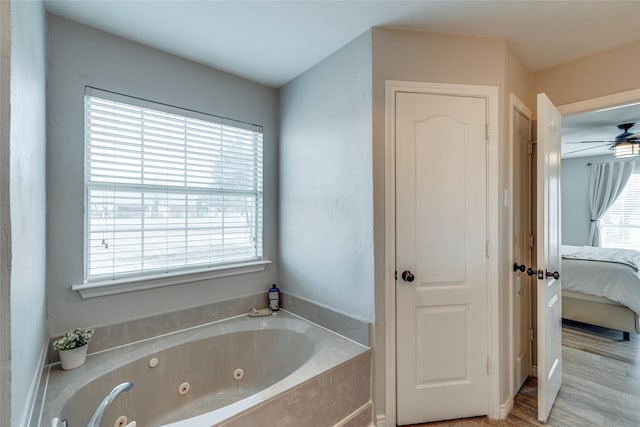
(601,384)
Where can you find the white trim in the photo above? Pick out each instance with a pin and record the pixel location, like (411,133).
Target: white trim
(491,93)
(129,284)
(381,421)
(493,233)
(534,371)
(514,104)
(389,258)
(506,407)
(32,395)
(366,407)
(614,99)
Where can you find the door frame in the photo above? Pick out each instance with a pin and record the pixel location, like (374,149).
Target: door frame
(613,100)
(491,94)
(515,104)
(592,104)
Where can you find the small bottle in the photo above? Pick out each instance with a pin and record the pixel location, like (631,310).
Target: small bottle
(274,298)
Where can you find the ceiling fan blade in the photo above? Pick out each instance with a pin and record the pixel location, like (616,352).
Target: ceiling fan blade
(588,148)
(634,136)
(590,142)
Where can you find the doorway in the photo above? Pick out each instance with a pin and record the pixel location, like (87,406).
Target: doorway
(440,248)
(604,103)
(451,314)
(523,154)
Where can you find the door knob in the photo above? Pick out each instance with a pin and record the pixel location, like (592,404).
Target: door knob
(520,267)
(555,274)
(538,273)
(408,276)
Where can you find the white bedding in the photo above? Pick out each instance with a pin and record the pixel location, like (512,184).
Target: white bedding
(621,256)
(611,279)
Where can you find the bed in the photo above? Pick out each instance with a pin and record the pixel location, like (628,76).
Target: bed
(601,287)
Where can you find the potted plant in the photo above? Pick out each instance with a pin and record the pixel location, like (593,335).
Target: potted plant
(72,347)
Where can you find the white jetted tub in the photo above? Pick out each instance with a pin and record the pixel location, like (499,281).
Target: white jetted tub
(224,373)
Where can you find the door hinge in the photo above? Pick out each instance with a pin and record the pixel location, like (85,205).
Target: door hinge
(530,148)
(486,248)
(531,334)
(489,365)
(531,241)
(395,275)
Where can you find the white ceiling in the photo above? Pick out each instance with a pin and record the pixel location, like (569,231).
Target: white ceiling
(271,42)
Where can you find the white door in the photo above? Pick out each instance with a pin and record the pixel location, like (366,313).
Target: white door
(548,257)
(441,238)
(521,247)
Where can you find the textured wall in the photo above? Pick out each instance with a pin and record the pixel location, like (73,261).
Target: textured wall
(78,56)
(326,206)
(5,218)
(611,71)
(27,202)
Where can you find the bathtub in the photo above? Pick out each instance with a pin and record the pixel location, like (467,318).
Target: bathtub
(241,371)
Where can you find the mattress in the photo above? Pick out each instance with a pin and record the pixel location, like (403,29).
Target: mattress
(614,281)
(590,298)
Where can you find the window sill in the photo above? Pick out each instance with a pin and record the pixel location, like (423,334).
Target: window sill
(130,284)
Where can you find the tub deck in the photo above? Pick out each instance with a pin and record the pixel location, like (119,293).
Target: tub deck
(312,360)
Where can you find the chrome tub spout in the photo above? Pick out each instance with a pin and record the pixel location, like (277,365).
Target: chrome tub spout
(103,407)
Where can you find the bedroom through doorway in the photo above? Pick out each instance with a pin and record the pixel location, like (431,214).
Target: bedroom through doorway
(601,215)
(600,333)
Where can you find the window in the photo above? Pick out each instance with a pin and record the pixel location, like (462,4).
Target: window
(167,190)
(620,226)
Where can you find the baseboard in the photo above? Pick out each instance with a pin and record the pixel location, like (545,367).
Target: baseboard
(534,371)
(505,408)
(361,411)
(32,396)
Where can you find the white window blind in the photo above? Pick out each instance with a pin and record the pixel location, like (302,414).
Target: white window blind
(167,190)
(620,225)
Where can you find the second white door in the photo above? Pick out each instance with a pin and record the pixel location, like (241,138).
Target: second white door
(441,239)
(548,220)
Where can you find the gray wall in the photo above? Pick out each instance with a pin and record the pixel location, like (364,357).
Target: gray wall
(576,217)
(5,215)
(326,194)
(79,55)
(27,203)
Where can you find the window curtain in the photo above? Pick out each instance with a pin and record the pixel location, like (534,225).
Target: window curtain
(607,182)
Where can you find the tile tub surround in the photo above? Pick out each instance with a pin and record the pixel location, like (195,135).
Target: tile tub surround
(326,400)
(332,359)
(352,328)
(131,331)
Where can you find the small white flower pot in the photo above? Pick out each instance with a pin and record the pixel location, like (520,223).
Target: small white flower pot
(73,358)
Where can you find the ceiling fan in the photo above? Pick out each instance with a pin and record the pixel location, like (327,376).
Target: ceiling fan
(626,144)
